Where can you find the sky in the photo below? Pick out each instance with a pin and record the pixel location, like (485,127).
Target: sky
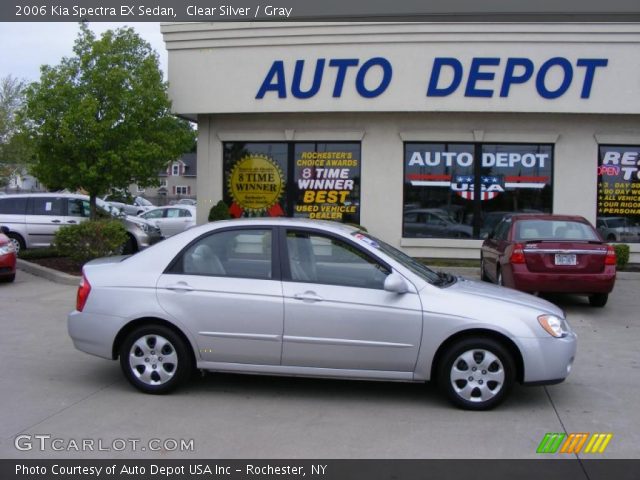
(26,46)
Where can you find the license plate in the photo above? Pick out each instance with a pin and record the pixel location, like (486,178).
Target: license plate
(565,259)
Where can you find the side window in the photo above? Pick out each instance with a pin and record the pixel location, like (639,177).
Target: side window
(319,259)
(185,213)
(13,206)
(502,230)
(153,214)
(173,212)
(47,206)
(78,208)
(234,253)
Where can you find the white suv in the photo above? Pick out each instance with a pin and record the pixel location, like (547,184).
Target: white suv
(33,219)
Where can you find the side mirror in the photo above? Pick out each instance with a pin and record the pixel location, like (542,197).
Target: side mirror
(489,236)
(395,283)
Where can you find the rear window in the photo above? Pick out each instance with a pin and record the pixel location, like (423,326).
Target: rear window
(554,230)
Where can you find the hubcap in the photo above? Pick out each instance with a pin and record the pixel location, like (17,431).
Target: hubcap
(153,359)
(477,375)
(16,244)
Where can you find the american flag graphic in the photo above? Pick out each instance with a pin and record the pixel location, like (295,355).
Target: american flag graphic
(458,182)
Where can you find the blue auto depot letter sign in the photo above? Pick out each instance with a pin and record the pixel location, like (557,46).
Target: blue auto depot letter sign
(498,77)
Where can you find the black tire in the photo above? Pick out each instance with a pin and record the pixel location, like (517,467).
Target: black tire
(8,278)
(611,238)
(18,241)
(153,365)
(598,299)
(483,274)
(131,246)
(494,381)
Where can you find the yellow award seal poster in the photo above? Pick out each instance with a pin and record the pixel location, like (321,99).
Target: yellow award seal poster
(256,183)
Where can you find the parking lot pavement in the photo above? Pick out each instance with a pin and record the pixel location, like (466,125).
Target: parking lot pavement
(49,388)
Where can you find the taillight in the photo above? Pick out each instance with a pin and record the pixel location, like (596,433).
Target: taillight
(610,259)
(517,255)
(83,293)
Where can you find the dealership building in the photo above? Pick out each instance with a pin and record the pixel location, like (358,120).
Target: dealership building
(427,134)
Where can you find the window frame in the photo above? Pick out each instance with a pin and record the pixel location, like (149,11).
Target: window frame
(276,274)
(477,209)
(284,254)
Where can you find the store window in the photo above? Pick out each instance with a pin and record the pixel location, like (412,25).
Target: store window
(319,180)
(441,181)
(618,211)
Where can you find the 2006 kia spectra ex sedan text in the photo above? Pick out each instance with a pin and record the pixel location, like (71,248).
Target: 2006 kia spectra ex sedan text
(302,297)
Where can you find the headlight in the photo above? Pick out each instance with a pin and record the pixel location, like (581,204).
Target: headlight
(554,326)
(143,226)
(6,249)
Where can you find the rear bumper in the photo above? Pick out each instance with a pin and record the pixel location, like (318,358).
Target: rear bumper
(527,281)
(7,264)
(94,333)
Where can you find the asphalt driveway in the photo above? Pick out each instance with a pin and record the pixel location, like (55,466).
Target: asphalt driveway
(52,390)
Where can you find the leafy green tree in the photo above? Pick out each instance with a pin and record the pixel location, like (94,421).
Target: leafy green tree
(13,152)
(101,118)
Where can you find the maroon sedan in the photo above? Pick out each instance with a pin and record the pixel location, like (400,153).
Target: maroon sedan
(549,253)
(7,258)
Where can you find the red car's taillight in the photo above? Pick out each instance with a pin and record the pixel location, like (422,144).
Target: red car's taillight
(517,255)
(610,259)
(83,293)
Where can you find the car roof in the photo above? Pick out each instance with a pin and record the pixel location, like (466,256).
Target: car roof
(288,222)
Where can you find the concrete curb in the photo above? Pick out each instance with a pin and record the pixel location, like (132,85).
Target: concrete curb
(48,273)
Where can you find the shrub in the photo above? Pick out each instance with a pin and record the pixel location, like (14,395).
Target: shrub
(622,255)
(220,211)
(90,239)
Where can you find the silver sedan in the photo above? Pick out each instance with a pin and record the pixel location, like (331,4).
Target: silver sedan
(321,299)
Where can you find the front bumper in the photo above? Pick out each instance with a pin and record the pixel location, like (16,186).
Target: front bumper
(548,360)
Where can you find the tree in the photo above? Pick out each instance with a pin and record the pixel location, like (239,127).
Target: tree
(13,152)
(101,119)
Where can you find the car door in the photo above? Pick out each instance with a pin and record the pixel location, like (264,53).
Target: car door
(45,215)
(337,314)
(78,210)
(225,288)
(174,221)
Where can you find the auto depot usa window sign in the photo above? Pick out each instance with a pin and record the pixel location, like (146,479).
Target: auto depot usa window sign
(484,77)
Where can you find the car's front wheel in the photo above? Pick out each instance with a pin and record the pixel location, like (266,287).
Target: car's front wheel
(155,359)
(476,373)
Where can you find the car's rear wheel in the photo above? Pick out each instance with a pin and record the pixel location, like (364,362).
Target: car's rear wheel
(598,299)
(8,278)
(18,241)
(155,359)
(476,373)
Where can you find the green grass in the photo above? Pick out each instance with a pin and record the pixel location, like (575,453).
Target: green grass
(450,262)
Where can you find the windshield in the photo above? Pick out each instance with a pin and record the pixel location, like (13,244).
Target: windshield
(410,263)
(144,202)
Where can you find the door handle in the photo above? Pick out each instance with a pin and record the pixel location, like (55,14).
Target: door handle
(72,221)
(55,221)
(308,297)
(179,287)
